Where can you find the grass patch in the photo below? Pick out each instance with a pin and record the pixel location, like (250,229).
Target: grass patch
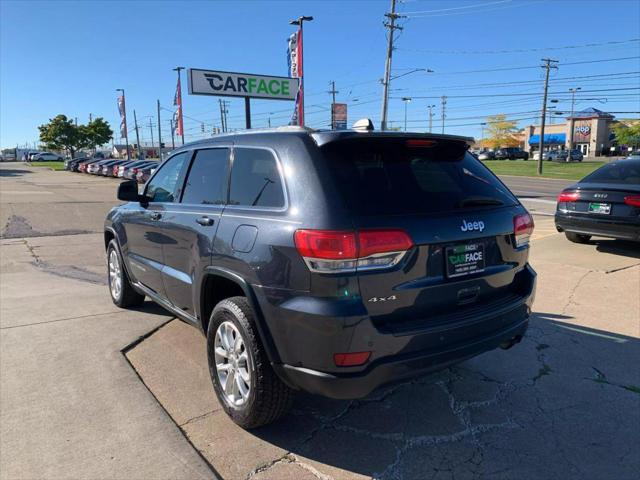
(53,165)
(564,171)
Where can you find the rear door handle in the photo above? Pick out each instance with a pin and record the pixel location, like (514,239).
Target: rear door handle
(155,215)
(205,221)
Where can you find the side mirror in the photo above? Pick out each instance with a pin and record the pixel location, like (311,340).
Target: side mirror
(128,191)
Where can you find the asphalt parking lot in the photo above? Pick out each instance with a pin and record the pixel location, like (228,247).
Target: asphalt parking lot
(91,391)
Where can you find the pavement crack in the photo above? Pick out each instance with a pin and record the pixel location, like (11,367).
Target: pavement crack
(199,417)
(572,292)
(600,377)
(291,459)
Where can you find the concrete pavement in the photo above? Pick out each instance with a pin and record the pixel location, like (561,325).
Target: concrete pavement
(565,403)
(71,406)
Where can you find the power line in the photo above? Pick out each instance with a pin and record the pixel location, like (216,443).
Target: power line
(488,95)
(519,50)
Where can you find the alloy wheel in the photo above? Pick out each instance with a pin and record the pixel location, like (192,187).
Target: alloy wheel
(233,365)
(115,274)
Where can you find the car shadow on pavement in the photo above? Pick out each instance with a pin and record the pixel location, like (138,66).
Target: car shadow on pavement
(564,403)
(618,247)
(13,172)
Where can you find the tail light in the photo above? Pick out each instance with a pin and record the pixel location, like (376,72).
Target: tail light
(522,229)
(351,359)
(568,196)
(633,200)
(331,251)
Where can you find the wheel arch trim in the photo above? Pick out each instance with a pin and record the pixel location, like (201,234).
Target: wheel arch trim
(263,331)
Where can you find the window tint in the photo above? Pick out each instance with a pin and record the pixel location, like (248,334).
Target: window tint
(255,180)
(207,178)
(164,186)
(625,172)
(392,176)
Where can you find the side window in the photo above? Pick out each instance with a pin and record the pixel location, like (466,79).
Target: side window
(207,180)
(255,180)
(163,187)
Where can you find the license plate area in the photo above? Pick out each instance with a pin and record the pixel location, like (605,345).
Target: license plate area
(464,259)
(601,208)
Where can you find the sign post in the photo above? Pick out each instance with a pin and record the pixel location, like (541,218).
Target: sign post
(246,85)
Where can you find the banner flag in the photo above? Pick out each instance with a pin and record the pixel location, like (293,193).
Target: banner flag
(123,117)
(177,102)
(294,62)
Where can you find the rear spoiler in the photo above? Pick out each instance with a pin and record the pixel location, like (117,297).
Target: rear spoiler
(325,137)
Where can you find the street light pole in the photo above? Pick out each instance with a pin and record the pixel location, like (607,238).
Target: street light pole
(126,133)
(482,125)
(570,120)
(299,22)
(405,100)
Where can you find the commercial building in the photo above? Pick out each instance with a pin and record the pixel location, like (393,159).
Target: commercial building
(589,130)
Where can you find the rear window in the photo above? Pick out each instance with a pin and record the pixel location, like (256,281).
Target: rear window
(392,176)
(624,173)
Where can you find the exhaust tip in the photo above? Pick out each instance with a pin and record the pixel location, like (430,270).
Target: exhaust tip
(510,343)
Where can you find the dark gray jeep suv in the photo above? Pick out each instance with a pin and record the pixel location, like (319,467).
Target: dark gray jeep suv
(333,262)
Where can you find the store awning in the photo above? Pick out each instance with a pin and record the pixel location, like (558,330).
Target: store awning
(549,139)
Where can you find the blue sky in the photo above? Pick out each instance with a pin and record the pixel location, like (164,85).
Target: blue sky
(69,57)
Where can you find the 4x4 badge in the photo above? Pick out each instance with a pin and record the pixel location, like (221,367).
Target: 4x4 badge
(382,299)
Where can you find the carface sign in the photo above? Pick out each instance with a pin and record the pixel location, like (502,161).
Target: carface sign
(212,82)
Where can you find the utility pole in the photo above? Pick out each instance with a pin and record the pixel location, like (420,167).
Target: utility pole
(391,25)
(431,117)
(444,105)
(76,120)
(135,121)
(482,125)
(159,133)
(151,130)
(178,69)
(548,66)
(221,115)
(90,118)
(570,120)
(333,92)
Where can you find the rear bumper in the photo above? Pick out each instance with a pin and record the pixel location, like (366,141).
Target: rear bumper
(359,385)
(602,227)
(421,347)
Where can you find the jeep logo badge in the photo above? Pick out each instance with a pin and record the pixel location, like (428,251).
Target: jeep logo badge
(470,226)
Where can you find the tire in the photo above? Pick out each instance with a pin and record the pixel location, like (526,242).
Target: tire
(125,296)
(264,398)
(577,237)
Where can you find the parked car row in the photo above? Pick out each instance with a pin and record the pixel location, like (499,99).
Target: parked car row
(139,170)
(559,155)
(510,153)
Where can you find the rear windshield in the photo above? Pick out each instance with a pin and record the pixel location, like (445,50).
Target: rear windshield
(626,172)
(394,176)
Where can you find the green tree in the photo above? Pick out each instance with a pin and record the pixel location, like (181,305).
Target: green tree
(61,133)
(627,133)
(501,132)
(96,132)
